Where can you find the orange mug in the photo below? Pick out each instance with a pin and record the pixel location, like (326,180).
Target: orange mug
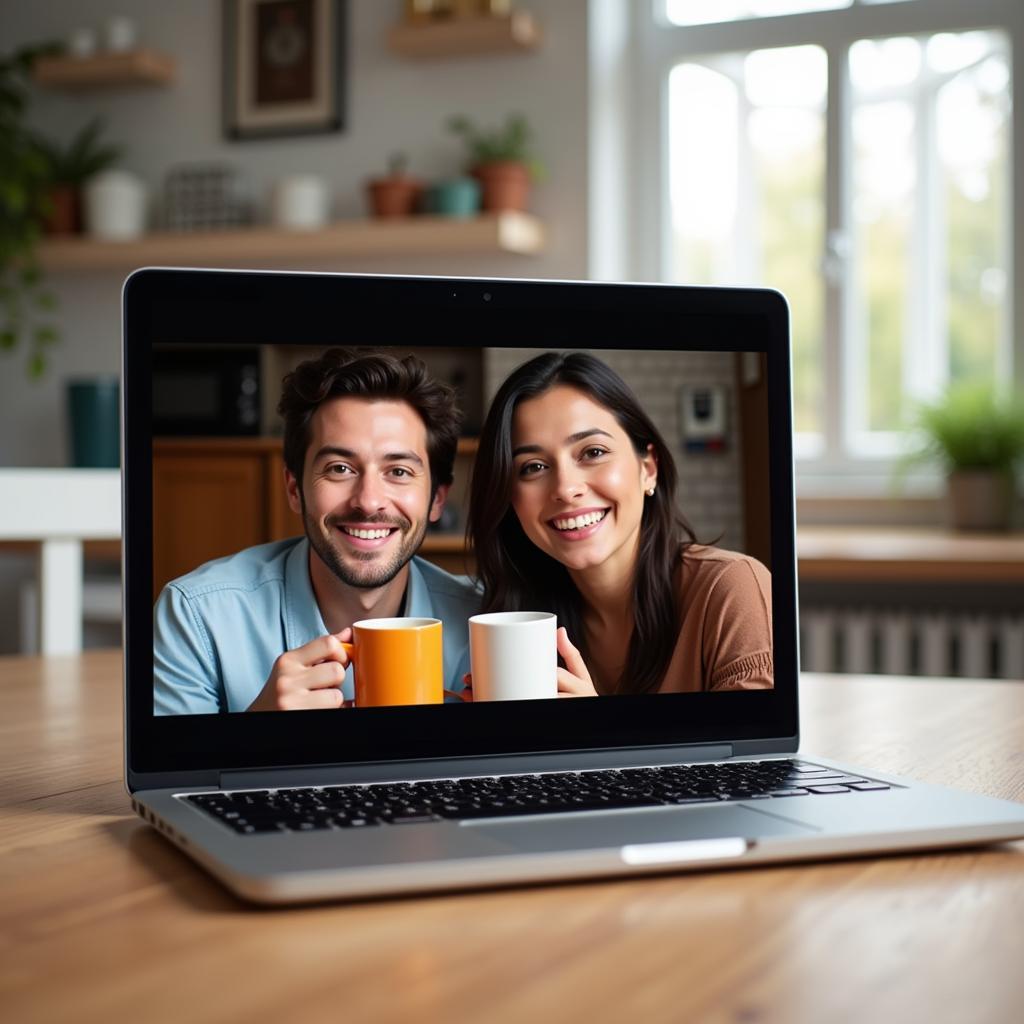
(397,661)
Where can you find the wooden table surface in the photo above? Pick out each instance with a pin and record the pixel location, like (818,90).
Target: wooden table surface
(102,920)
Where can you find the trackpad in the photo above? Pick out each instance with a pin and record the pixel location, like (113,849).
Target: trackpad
(594,831)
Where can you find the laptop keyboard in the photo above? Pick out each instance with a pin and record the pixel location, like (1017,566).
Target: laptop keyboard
(398,803)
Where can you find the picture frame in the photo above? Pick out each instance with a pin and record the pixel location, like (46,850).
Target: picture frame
(284,67)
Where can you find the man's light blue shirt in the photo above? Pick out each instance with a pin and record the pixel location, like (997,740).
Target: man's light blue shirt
(217,631)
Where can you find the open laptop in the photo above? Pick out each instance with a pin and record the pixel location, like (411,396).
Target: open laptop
(701,771)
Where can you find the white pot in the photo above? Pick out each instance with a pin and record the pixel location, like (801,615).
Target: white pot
(115,206)
(300,201)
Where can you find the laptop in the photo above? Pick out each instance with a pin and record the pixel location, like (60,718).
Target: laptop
(614,760)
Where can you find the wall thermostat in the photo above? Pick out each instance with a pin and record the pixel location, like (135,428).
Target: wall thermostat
(703,417)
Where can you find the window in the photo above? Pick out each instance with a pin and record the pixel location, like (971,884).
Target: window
(746,180)
(929,223)
(700,12)
(855,154)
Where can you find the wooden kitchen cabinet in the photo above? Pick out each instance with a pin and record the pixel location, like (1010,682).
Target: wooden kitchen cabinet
(213,497)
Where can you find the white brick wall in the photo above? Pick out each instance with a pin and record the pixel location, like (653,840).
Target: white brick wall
(710,490)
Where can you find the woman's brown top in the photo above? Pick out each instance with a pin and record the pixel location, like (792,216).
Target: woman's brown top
(725,642)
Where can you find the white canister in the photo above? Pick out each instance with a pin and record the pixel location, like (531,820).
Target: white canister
(121,34)
(115,206)
(82,42)
(300,201)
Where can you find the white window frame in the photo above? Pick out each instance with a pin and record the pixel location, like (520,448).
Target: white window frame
(633,49)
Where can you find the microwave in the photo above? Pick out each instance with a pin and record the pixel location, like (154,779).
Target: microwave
(209,390)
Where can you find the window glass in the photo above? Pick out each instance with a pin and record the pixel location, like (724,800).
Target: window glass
(972,118)
(930,220)
(885,179)
(746,166)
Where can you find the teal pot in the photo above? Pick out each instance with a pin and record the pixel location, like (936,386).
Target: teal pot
(459,197)
(94,423)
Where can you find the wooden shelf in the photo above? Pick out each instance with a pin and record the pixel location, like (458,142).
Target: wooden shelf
(105,70)
(514,233)
(517,32)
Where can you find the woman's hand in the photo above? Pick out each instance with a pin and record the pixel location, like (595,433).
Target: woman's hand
(573,680)
(465,694)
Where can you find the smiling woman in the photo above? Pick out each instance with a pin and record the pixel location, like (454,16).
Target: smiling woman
(572,510)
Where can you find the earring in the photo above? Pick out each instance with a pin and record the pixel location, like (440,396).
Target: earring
(650,492)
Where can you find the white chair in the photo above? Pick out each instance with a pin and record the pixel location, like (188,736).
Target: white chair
(59,508)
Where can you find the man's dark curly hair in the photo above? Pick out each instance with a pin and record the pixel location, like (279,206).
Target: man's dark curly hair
(343,372)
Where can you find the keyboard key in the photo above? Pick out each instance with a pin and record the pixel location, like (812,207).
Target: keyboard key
(865,787)
(828,789)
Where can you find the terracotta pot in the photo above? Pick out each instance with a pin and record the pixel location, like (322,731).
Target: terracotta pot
(505,183)
(65,216)
(980,499)
(393,197)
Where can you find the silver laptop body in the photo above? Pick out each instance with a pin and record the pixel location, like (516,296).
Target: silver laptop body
(168,763)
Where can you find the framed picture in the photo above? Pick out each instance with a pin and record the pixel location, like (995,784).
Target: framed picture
(284,67)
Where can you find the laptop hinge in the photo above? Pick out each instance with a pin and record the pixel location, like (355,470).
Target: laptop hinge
(497,764)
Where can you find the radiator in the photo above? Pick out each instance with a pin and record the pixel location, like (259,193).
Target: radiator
(901,641)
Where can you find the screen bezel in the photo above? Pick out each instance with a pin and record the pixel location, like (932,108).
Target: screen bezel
(246,308)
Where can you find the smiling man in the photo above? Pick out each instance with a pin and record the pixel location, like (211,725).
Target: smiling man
(369,447)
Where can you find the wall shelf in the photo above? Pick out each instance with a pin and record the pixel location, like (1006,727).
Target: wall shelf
(517,32)
(503,233)
(105,70)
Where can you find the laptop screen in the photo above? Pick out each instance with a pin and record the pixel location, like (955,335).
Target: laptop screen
(537,517)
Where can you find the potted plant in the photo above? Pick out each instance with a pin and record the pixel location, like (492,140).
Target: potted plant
(396,193)
(67,170)
(501,159)
(26,304)
(978,437)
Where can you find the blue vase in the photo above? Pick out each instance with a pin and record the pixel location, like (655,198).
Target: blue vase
(94,423)
(458,197)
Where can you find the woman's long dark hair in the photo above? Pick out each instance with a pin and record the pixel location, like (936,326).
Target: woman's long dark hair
(517,575)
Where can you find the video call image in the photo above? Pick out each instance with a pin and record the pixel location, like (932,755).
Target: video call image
(336,529)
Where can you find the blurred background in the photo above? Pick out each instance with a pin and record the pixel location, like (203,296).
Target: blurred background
(862,156)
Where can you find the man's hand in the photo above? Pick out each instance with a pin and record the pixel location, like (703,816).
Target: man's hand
(308,677)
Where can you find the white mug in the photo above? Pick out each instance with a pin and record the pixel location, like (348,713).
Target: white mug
(513,655)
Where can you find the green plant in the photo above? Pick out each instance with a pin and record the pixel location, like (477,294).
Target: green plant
(971,427)
(27,305)
(83,157)
(512,141)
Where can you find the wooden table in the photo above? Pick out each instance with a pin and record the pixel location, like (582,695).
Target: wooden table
(105,921)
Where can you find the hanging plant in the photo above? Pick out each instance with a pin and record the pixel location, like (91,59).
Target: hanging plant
(27,305)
